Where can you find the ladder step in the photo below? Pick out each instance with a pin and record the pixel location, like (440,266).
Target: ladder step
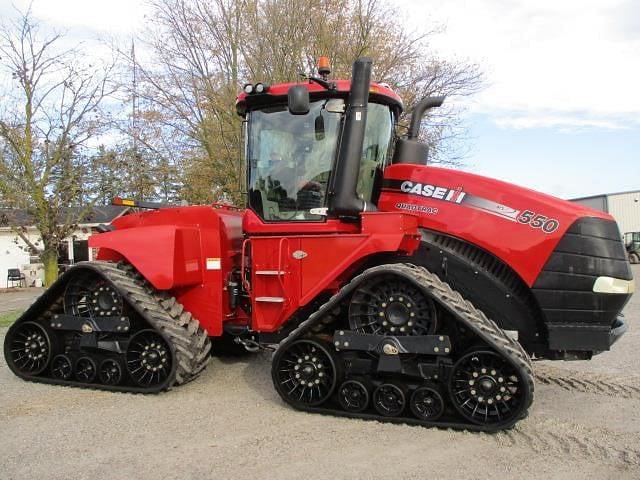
(270,272)
(270,299)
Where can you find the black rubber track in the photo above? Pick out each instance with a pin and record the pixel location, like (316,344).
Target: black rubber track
(464,313)
(188,341)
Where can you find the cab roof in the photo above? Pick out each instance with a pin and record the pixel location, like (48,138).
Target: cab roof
(278,92)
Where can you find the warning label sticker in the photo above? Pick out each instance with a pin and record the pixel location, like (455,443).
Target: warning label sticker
(213,264)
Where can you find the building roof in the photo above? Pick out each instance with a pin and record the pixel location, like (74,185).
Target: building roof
(604,195)
(99,214)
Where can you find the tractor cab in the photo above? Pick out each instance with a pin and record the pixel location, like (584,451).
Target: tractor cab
(294,136)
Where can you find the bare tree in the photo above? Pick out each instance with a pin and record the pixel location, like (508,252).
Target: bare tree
(203,50)
(50,109)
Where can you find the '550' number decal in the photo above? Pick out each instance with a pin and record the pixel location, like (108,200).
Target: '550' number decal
(534,220)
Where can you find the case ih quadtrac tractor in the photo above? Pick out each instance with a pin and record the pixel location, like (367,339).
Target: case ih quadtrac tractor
(387,288)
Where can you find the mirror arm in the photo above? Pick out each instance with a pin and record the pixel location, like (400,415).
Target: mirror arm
(327,85)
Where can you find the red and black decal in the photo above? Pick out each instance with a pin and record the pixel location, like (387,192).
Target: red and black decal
(459,196)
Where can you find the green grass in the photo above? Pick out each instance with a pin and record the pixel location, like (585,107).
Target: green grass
(8,318)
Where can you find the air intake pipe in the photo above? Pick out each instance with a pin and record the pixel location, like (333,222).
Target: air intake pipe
(410,149)
(344,200)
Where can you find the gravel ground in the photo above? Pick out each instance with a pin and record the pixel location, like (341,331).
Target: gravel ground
(230,423)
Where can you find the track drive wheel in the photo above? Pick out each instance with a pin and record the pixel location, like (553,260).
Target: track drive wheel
(486,389)
(390,305)
(305,372)
(91,296)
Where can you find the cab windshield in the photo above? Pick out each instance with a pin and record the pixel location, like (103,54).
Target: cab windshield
(290,158)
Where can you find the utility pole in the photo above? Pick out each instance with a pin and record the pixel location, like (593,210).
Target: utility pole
(134,114)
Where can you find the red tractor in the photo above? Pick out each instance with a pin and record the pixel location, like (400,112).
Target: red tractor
(387,288)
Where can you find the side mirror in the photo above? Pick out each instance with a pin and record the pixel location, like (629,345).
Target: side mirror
(319,127)
(298,100)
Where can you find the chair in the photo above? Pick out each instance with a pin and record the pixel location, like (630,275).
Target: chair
(15,275)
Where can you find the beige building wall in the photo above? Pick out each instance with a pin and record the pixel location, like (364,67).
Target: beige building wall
(625,208)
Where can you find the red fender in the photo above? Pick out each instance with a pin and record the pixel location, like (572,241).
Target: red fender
(168,256)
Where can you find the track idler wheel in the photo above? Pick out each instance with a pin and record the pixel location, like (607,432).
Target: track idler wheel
(426,404)
(110,372)
(305,373)
(149,358)
(353,396)
(389,400)
(29,347)
(61,367)
(486,389)
(86,370)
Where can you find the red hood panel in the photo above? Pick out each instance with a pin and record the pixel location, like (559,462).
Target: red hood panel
(518,225)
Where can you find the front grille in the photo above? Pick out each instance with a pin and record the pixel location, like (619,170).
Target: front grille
(592,247)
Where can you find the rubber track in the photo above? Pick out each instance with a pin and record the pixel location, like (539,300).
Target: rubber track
(464,312)
(189,341)
(164,312)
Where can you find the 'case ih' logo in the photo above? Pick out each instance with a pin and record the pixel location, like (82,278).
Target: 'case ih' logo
(433,191)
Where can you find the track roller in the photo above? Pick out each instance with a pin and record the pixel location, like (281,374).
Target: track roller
(110,372)
(61,367)
(353,396)
(426,404)
(389,400)
(85,370)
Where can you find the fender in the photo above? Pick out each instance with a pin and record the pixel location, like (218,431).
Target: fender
(188,251)
(167,256)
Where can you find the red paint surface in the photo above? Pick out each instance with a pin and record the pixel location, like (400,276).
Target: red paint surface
(329,259)
(342,86)
(522,247)
(170,248)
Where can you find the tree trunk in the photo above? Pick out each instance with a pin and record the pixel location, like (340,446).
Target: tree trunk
(50,261)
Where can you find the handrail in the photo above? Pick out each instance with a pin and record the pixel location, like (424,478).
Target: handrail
(243,257)
(281,270)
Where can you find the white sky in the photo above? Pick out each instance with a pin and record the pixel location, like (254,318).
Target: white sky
(562,79)
(116,17)
(558,63)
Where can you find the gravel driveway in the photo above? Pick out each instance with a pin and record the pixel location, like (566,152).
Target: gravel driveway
(230,424)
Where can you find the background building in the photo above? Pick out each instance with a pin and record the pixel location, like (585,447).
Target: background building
(623,206)
(15,254)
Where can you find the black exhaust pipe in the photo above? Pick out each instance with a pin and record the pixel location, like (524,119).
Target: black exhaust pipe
(344,199)
(411,149)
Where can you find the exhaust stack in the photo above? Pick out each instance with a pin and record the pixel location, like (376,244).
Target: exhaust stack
(410,149)
(344,200)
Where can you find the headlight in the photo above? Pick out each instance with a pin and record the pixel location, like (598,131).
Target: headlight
(261,88)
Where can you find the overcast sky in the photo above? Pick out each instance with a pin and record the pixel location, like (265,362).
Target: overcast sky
(561,109)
